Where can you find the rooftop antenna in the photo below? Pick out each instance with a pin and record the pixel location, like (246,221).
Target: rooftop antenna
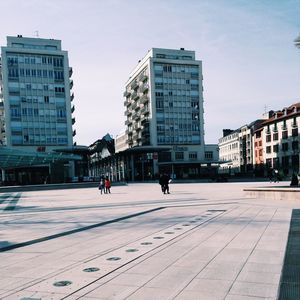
(265,108)
(36,33)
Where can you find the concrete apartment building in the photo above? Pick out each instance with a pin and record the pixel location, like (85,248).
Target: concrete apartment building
(164,117)
(36,95)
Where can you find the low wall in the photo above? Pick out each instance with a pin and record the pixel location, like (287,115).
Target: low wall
(275,193)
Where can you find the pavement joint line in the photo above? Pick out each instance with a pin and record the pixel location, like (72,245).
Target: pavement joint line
(58,235)
(13,202)
(155,247)
(159,247)
(165,245)
(243,227)
(253,249)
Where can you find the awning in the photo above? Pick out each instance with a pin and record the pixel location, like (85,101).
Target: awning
(14,158)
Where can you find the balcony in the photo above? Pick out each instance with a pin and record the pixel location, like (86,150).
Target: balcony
(134,85)
(73,121)
(70,72)
(127,103)
(144,99)
(71,84)
(73,109)
(127,122)
(144,88)
(72,97)
(134,105)
(126,94)
(145,110)
(74,132)
(135,95)
(143,77)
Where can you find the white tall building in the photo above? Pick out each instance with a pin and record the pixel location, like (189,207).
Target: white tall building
(164,115)
(36,94)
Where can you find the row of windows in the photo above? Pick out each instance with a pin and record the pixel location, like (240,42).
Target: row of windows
(171,80)
(16,73)
(176,68)
(46,60)
(284,147)
(284,135)
(20,140)
(17,112)
(194,139)
(162,93)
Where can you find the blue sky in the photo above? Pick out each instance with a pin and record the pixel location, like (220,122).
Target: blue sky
(247,49)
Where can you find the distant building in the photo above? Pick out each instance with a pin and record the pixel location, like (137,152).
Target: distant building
(164,117)
(236,149)
(36,96)
(280,138)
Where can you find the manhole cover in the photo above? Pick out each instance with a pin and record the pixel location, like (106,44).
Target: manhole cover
(91,270)
(132,250)
(158,237)
(114,258)
(146,243)
(62,283)
(169,232)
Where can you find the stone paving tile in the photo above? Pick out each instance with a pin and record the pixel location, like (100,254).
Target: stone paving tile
(240,297)
(190,295)
(147,293)
(259,277)
(254,289)
(263,268)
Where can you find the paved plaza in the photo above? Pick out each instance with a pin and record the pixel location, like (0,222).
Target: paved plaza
(203,241)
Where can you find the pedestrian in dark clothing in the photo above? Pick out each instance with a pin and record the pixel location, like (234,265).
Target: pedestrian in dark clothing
(164,182)
(102,185)
(107,184)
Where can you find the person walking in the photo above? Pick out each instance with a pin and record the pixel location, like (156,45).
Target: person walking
(164,182)
(102,184)
(107,184)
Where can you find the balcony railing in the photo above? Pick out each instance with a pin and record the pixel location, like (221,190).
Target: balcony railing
(134,85)
(126,94)
(74,132)
(70,71)
(71,84)
(72,97)
(144,99)
(73,109)
(73,121)
(143,77)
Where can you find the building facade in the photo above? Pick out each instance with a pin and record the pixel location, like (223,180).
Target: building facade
(280,136)
(36,89)
(164,116)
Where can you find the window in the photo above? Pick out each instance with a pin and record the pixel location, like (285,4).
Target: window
(268,149)
(275,136)
(208,154)
(179,155)
(285,146)
(193,155)
(284,135)
(294,131)
(275,148)
(268,138)
(46,99)
(295,145)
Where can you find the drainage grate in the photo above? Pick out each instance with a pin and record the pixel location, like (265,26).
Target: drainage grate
(62,283)
(88,270)
(146,243)
(132,250)
(158,237)
(290,276)
(114,258)
(169,232)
